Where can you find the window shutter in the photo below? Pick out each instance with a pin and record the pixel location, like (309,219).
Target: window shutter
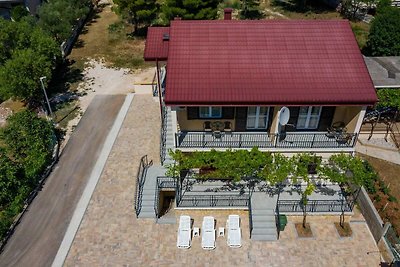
(228,113)
(192,113)
(241,119)
(326,118)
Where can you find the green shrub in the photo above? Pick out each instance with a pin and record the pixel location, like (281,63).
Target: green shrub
(392,198)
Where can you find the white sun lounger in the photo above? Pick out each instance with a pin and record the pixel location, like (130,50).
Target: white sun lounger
(234,233)
(208,233)
(184,232)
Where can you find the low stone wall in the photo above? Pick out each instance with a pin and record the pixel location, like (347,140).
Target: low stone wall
(370,214)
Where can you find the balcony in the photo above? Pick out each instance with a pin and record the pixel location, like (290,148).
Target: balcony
(263,140)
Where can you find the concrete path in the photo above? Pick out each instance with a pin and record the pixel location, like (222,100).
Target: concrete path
(38,237)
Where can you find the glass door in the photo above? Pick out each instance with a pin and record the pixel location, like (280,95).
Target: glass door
(257,117)
(308,117)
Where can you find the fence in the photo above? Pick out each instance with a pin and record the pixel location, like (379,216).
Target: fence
(163,182)
(208,201)
(163,133)
(140,179)
(315,206)
(263,140)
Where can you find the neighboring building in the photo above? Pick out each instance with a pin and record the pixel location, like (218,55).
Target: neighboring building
(227,82)
(384,71)
(6,5)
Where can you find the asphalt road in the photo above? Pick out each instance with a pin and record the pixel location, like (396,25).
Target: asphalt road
(37,238)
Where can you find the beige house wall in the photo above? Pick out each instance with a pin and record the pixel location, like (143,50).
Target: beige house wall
(349,115)
(194,125)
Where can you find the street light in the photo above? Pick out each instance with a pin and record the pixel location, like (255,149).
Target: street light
(45,95)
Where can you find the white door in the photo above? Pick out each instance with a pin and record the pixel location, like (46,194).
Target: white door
(257,117)
(309,117)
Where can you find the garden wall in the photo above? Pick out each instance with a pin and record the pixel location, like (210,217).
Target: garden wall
(374,221)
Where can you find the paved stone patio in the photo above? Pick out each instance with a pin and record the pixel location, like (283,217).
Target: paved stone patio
(110,234)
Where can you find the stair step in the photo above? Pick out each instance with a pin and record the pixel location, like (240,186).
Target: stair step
(166,220)
(264,231)
(264,237)
(263,218)
(146,214)
(148,197)
(148,202)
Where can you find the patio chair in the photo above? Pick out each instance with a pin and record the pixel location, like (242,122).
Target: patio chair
(184,232)
(208,233)
(227,126)
(234,232)
(207,126)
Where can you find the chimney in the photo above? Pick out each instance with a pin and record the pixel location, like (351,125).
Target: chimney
(227,13)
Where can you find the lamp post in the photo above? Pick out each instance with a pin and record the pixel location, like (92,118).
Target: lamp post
(45,95)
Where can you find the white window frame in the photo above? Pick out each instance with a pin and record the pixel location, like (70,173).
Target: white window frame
(257,117)
(308,118)
(209,113)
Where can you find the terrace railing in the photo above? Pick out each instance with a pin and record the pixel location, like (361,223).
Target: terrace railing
(208,201)
(163,133)
(315,206)
(140,179)
(264,140)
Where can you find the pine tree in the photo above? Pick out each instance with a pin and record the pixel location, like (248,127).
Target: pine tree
(138,12)
(251,10)
(190,9)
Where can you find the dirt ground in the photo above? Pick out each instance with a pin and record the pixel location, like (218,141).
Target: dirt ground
(389,173)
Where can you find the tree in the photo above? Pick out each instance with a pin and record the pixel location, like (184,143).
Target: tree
(190,9)
(138,12)
(9,179)
(251,10)
(384,35)
(19,77)
(18,12)
(29,142)
(59,17)
(23,35)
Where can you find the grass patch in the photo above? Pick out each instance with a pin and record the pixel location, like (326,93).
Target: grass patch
(344,231)
(107,37)
(361,31)
(303,232)
(291,9)
(14,105)
(65,113)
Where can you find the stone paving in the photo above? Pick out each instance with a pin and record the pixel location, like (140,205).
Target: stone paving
(110,234)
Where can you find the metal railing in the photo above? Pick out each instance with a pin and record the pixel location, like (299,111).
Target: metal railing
(394,242)
(315,206)
(163,133)
(250,217)
(206,201)
(140,179)
(264,140)
(163,182)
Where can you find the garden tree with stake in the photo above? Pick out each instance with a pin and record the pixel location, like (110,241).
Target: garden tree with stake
(346,169)
(250,10)
(301,170)
(189,9)
(138,12)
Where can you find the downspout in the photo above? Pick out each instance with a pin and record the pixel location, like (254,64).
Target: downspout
(159,88)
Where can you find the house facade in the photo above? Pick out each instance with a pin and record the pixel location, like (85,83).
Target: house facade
(280,85)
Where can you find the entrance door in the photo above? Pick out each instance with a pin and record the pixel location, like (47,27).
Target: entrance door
(257,118)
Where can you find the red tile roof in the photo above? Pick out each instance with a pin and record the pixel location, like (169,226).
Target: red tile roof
(266,62)
(156,47)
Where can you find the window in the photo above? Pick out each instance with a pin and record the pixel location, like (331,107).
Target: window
(308,117)
(210,112)
(257,117)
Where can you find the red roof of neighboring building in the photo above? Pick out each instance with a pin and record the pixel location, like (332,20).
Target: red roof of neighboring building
(156,47)
(265,62)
